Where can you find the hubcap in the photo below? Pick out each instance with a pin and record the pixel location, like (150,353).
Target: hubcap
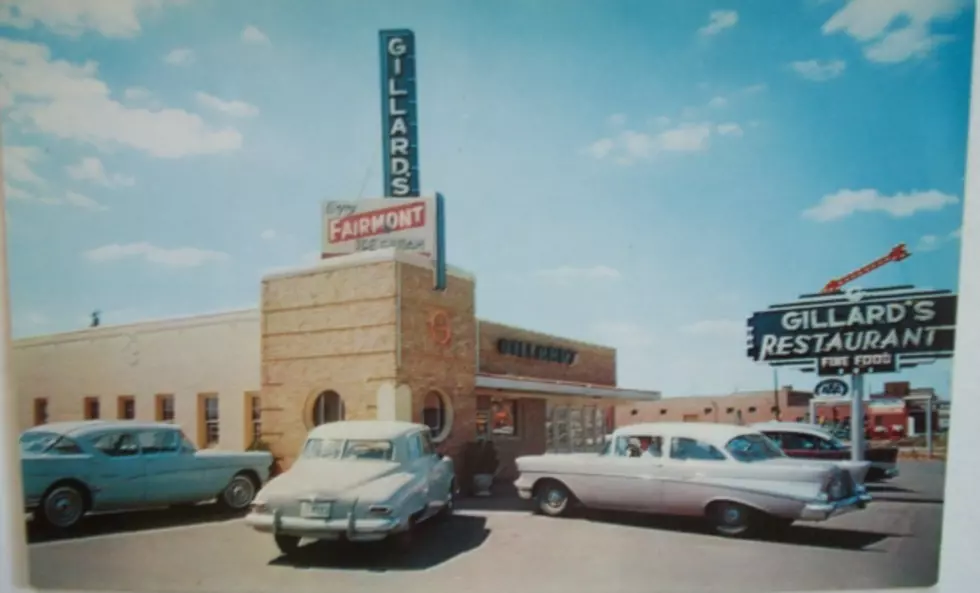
(555,498)
(732,516)
(64,507)
(239,493)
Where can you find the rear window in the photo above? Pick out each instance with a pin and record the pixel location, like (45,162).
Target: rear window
(369,449)
(48,442)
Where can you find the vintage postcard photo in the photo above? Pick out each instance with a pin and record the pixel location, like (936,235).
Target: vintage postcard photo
(402,296)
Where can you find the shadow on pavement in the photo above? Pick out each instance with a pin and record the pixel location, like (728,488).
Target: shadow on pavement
(109,523)
(432,545)
(877,487)
(798,534)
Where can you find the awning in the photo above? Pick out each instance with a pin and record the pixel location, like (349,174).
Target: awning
(559,388)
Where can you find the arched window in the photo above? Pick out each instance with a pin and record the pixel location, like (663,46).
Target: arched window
(436,415)
(328,407)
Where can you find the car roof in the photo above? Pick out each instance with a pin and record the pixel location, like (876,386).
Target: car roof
(792,427)
(701,430)
(365,429)
(83,427)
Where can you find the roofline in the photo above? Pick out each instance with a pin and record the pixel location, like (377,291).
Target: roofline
(149,326)
(559,388)
(365,258)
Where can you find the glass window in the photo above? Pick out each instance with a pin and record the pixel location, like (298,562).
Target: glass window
(693,449)
(127,407)
(159,441)
(165,408)
(365,449)
(434,412)
(117,444)
(40,411)
(64,446)
(92,411)
(322,449)
(639,446)
(503,417)
(212,428)
(256,411)
(186,445)
(753,447)
(36,442)
(328,407)
(414,447)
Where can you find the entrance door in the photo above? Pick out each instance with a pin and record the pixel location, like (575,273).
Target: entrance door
(328,407)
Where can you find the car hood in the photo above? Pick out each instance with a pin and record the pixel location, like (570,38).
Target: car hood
(326,477)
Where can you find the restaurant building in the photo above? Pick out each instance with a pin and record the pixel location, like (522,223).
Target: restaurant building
(746,407)
(361,336)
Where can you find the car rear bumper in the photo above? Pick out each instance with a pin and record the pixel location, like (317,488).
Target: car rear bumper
(821,511)
(360,530)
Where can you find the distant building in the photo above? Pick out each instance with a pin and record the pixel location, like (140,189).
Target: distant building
(748,407)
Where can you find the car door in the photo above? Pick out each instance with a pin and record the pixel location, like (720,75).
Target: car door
(119,477)
(440,471)
(171,476)
(627,476)
(687,469)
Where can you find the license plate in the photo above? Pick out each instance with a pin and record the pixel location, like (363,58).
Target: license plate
(318,510)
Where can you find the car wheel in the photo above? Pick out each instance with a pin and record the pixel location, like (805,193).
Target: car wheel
(450,507)
(238,494)
(732,519)
(287,544)
(553,499)
(62,507)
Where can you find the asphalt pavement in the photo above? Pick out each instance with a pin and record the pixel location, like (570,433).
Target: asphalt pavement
(494,545)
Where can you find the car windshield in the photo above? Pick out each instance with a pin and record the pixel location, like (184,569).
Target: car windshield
(753,447)
(348,449)
(36,442)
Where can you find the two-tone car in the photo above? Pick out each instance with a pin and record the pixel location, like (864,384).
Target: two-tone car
(809,441)
(733,476)
(72,468)
(357,480)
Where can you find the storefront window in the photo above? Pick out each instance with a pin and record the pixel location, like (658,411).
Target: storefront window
(434,413)
(504,417)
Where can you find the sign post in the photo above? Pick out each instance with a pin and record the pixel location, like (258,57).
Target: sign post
(857,417)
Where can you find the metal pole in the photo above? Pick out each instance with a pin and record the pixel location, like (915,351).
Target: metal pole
(775,393)
(929,427)
(813,411)
(857,417)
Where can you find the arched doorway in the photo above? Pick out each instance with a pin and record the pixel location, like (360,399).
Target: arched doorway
(437,415)
(328,407)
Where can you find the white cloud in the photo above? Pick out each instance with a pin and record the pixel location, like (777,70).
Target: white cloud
(73,199)
(729,129)
(570,273)
(232,108)
(718,21)
(754,89)
(893,31)
(847,201)
(686,138)
(268,234)
(622,335)
(819,71)
(69,101)
(181,56)
(601,148)
(79,201)
(18,163)
(661,120)
(109,18)
(717,102)
(934,242)
(136,93)
(617,119)
(715,327)
(252,34)
(179,257)
(91,169)
(629,146)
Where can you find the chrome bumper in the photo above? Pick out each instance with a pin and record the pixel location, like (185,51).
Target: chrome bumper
(372,529)
(821,511)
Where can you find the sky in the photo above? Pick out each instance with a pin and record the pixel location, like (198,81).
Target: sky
(641,173)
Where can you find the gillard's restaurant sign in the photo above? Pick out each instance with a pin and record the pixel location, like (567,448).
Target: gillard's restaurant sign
(540,352)
(883,331)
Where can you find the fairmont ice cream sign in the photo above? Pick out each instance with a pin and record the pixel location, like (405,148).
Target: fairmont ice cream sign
(879,331)
(410,225)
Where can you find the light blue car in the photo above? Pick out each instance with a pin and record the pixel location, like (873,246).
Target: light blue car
(72,468)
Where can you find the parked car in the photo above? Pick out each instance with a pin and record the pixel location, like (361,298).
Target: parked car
(731,475)
(71,468)
(809,441)
(360,481)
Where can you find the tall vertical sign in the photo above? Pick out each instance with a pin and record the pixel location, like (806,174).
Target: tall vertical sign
(399,114)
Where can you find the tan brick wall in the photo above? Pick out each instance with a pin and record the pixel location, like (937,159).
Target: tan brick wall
(428,364)
(326,329)
(594,364)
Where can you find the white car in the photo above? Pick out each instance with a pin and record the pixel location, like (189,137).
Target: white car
(732,475)
(358,481)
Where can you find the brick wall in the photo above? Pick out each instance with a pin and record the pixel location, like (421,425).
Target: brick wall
(324,329)
(750,406)
(594,364)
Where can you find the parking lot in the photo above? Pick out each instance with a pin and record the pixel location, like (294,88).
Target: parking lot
(496,544)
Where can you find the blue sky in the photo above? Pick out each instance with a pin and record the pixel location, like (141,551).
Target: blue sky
(643,174)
